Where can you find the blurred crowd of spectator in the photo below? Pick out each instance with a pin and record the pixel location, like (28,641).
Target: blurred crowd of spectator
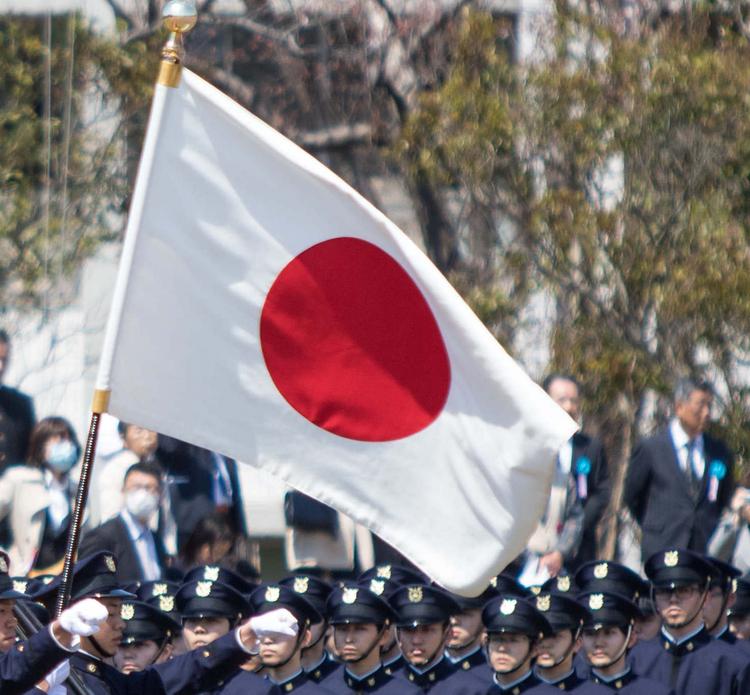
(164,506)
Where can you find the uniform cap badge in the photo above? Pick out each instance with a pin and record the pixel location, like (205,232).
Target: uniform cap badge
(543,603)
(349,595)
(671,558)
(377,586)
(415,594)
(166,603)
(127,611)
(211,574)
(384,571)
(159,589)
(272,594)
(596,601)
(20,586)
(508,606)
(301,584)
(601,570)
(203,589)
(109,561)
(563,583)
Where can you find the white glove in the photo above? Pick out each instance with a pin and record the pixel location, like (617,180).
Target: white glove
(278,623)
(57,676)
(83,618)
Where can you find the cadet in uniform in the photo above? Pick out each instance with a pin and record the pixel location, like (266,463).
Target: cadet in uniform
(198,670)
(24,663)
(146,638)
(282,619)
(608,635)
(721,592)
(686,658)
(514,627)
(318,666)
(739,613)
(464,649)
(554,660)
(360,621)
(423,625)
(162,595)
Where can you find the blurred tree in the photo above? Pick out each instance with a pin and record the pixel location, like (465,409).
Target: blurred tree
(67,95)
(619,159)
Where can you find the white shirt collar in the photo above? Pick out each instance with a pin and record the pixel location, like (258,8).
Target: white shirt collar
(680,437)
(135,528)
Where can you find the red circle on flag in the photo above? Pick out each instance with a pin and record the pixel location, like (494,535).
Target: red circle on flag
(352,345)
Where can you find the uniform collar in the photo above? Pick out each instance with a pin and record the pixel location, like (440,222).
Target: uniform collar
(695,640)
(617,681)
(567,682)
(395,664)
(474,658)
(518,686)
(436,672)
(292,683)
(322,669)
(370,681)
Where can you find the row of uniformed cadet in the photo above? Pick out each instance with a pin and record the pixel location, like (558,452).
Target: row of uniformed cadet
(392,632)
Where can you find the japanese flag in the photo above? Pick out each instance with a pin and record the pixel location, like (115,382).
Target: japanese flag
(266,311)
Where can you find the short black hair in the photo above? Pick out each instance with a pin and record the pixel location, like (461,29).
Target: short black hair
(684,387)
(146,467)
(554,376)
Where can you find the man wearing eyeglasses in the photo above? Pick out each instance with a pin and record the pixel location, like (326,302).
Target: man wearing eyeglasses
(686,657)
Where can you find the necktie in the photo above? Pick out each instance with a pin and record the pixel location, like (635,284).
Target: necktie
(694,480)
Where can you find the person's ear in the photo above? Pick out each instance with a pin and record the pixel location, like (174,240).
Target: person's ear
(633,639)
(307,639)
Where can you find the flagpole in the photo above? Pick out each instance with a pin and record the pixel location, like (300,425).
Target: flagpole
(179,17)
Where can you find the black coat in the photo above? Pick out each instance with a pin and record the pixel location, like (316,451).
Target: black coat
(658,495)
(28,662)
(17,419)
(598,491)
(113,536)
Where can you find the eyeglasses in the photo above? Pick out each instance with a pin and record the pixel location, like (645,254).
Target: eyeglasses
(681,592)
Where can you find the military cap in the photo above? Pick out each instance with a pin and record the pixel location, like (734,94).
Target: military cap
(561,584)
(611,577)
(741,605)
(217,573)
(161,595)
(269,597)
(4,563)
(207,599)
(393,573)
(354,603)
(28,587)
(8,588)
(510,613)
(676,567)
(315,590)
(94,576)
(421,604)
(646,606)
(723,574)
(467,603)
(144,622)
(608,609)
(561,612)
(506,585)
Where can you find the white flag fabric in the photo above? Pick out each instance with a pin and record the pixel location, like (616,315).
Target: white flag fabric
(265,310)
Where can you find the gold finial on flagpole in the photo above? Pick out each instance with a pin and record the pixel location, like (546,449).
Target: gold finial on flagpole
(179,17)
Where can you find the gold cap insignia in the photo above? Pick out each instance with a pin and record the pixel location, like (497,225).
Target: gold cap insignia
(47,580)
(166,603)
(596,601)
(109,561)
(159,589)
(211,574)
(543,602)
(377,586)
(20,586)
(272,594)
(734,585)
(203,589)
(508,606)
(301,584)
(536,590)
(415,594)
(349,595)
(371,682)
(3,565)
(127,611)
(493,582)
(600,571)
(563,583)
(384,571)
(671,558)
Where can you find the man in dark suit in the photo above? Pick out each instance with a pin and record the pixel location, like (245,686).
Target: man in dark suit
(140,552)
(680,479)
(584,457)
(17,417)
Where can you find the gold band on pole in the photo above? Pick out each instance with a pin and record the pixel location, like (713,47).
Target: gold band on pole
(100,402)
(179,17)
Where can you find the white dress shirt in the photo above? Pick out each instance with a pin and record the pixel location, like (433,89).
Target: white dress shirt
(145,548)
(681,439)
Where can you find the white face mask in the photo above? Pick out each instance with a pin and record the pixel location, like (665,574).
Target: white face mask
(141,503)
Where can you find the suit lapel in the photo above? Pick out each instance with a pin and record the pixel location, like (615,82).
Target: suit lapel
(668,454)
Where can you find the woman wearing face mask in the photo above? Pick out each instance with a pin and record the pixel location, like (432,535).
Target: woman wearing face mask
(140,552)
(37,497)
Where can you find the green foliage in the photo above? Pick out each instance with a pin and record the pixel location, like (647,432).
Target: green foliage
(651,281)
(58,203)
